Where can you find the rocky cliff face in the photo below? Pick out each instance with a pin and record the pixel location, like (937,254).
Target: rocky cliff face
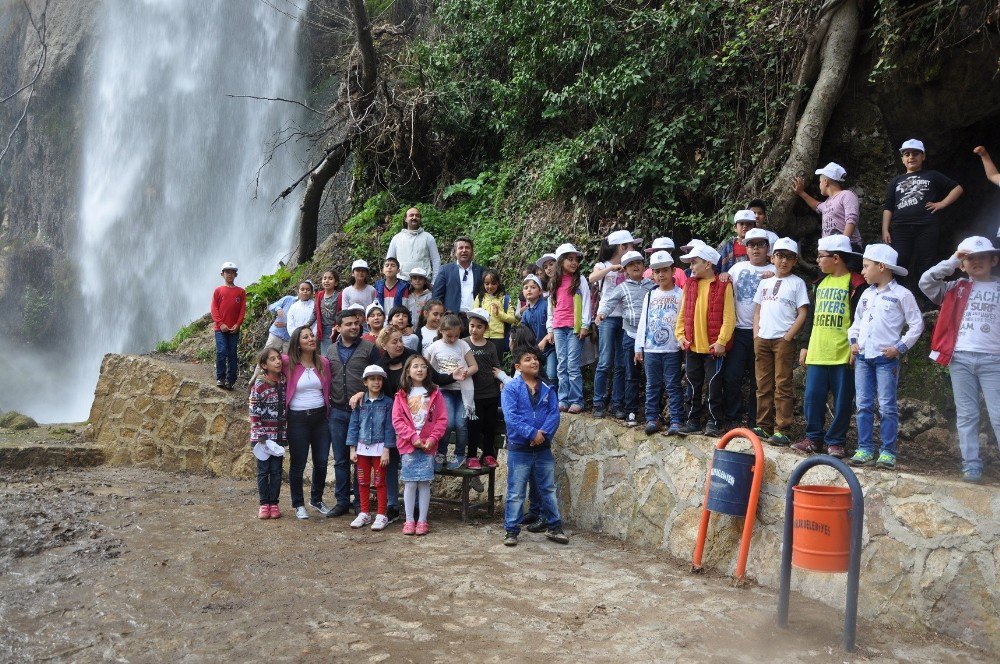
(38,176)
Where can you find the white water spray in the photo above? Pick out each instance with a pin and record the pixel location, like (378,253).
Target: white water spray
(169,165)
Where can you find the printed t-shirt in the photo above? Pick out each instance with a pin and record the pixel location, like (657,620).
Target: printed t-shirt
(447,358)
(745,278)
(779,299)
(656,328)
(908,195)
(419,404)
(980,329)
(828,343)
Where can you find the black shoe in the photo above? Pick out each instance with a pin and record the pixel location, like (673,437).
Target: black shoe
(320,507)
(230,386)
(713,430)
(598,412)
(621,415)
(510,538)
(651,428)
(536,527)
(530,520)
(689,427)
(392,514)
(220,384)
(338,510)
(557,536)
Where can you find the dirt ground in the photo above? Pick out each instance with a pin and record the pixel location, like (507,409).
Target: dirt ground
(134,565)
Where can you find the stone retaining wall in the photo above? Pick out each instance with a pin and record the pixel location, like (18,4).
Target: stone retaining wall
(931,546)
(159,414)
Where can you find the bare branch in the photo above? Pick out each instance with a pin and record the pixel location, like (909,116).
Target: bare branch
(287,101)
(40,33)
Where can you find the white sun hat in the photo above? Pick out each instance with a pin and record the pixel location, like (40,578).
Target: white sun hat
(479,313)
(833,171)
(373,370)
(883,253)
(533,279)
(836,243)
(759,234)
(704,252)
(567,248)
(372,307)
(912,144)
(360,264)
(745,217)
(660,259)
(786,244)
(623,237)
(228,266)
(661,244)
(631,257)
(977,245)
(545,258)
(418,272)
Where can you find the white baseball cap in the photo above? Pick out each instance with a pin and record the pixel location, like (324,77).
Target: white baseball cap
(786,244)
(661,244)
(977,245)
(372,307)
(833,171)
(836,243)
(373,370)
(567,248)
(631,257)
(623,237)
(745,217)
(545,259)
(758,234)
(359,264)
(883,253)
(691,245)
(228,266)
(533,279)
(660,259)
(418,272)
(704,252)
(912,144)
(481,314)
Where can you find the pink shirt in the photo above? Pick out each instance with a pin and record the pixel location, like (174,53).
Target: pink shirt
(562,315)
(839,210)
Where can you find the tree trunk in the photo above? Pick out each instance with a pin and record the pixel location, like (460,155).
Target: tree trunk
(835,60)
(312,198)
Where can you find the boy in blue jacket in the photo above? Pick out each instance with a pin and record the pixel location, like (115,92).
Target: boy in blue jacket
(531,413)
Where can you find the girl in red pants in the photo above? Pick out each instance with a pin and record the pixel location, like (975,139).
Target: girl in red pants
(370,436)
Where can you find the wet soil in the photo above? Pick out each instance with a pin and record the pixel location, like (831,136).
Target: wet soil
(137,565)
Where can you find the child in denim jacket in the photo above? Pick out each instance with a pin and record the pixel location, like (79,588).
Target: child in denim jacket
(370,435)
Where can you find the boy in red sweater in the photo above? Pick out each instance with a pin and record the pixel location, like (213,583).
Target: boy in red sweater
(229,306)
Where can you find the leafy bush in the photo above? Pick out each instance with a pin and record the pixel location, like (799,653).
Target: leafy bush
(183,335)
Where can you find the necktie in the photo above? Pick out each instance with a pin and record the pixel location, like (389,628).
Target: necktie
(465,275)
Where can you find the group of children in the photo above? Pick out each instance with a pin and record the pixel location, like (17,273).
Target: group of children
(738,315)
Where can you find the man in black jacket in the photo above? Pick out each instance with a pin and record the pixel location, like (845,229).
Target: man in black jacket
(348,358)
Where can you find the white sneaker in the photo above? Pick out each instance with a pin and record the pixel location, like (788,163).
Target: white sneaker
(631,421)
(301,513)
(361,520)
(381,521)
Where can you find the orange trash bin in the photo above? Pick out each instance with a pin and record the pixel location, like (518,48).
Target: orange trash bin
(821,518)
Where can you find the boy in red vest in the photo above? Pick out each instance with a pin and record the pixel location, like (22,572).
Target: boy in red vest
(966,339)
(705,330)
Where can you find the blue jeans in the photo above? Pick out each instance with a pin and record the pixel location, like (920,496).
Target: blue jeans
(630,395)
(456,423)
(609,354)
(339,422)
(568,346)
(821,380)
(225,355)
(663,371)
(540,467)
(307,431)
(324,346)
(392,479)
(972,373)
(737,367)
(269,479)
(549,365)
(882,373)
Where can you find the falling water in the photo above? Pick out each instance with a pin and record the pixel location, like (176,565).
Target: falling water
(169,166)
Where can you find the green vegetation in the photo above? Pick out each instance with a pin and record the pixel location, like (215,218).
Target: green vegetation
(183,335)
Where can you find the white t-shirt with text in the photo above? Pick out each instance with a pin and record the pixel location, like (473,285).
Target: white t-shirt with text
(980,328)
(779,299)
(745,278)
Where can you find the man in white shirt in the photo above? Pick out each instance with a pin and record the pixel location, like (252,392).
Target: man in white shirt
(415,247)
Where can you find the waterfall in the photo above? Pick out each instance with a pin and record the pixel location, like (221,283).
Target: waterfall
(169,165)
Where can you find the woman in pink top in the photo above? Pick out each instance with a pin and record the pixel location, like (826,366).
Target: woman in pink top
(569,322)
(840,210)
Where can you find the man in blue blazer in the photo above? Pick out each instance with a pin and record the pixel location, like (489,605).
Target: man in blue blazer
(458,282)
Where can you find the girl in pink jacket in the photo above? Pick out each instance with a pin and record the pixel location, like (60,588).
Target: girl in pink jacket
(420,418)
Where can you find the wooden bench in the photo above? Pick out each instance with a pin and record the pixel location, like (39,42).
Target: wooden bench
(465,502)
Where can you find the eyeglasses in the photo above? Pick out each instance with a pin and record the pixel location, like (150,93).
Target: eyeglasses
(757,245)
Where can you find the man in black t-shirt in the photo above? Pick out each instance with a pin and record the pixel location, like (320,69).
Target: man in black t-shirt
(909,220)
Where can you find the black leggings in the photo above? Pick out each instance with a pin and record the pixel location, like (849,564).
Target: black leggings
(917,245)
(483,429)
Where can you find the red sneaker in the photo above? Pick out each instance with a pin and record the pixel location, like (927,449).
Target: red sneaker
(275,512)
(422,527)
(409,527)
(264,512)
(491,462)
(473,464)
